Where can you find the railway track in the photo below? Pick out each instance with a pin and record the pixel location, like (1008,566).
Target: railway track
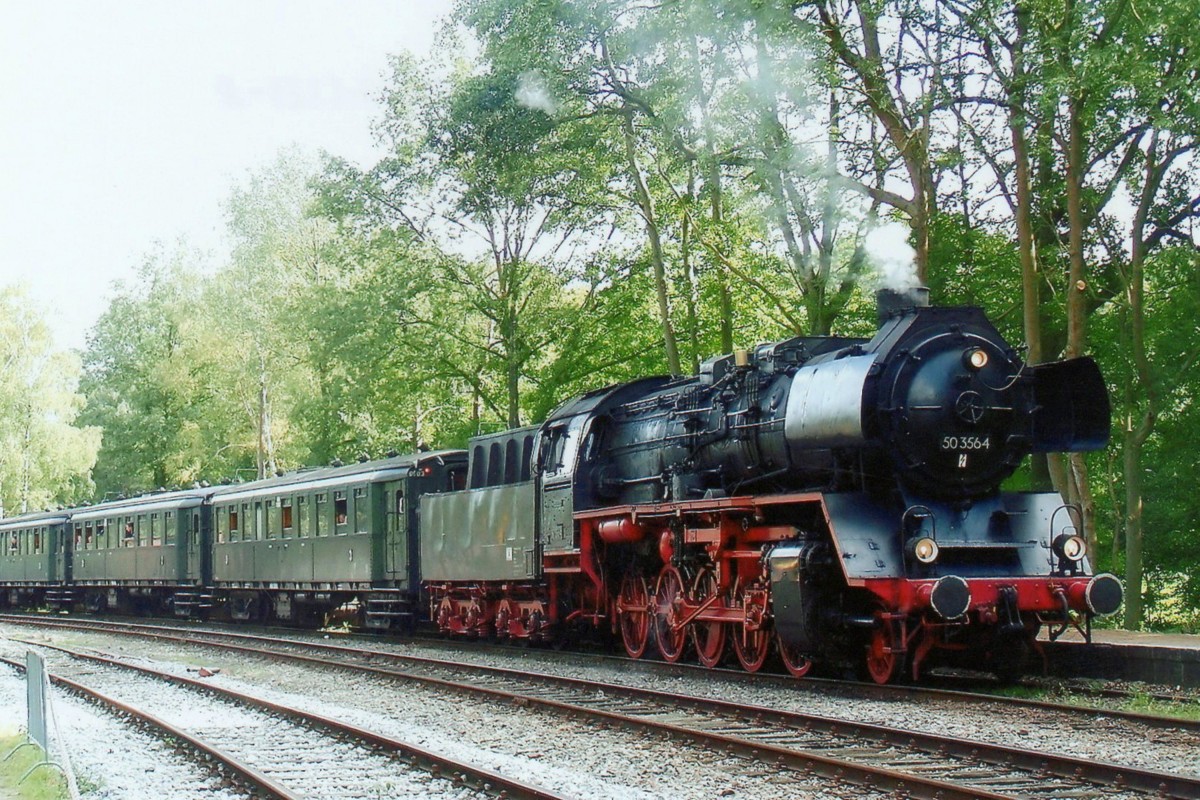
(1091,701)
(941,688)
(227,766)
(887,759)
(274,750)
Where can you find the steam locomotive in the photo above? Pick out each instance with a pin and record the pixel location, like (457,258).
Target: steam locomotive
(835,500)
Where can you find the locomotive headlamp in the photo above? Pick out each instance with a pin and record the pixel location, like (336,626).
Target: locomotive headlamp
(923,549)
(1070,546)
(976,358)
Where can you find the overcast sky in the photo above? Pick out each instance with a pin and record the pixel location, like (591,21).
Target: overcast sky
(127,123)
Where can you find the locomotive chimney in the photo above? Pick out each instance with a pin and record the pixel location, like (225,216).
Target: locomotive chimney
(890,302)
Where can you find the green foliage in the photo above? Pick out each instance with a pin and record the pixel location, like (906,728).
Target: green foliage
(45,456)
(150,381)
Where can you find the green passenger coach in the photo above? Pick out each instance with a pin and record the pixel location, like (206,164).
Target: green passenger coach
(145,553)
(299,545)
(34,562)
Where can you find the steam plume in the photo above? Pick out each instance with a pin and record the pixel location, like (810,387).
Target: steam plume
(532,93)
(893,258)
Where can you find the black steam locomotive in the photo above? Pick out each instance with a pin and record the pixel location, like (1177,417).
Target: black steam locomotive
(837,499)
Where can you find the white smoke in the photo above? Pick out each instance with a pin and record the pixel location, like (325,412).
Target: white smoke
(533,93)
(893,258)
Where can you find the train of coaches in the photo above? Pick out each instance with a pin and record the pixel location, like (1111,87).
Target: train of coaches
(833,501)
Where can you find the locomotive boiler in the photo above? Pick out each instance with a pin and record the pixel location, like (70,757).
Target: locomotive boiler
(838,500)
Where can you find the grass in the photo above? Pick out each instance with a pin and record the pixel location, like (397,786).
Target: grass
(1139,702)
(1144,704)
(46,783)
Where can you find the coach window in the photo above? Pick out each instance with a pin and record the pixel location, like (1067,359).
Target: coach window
(37,542)
(78,537)
(361,511)
(87,536)
(274,528)
(102,534)
(169,527)
(155,530)
(261,517)
(285,516)
(321,515)
(14,543)
(302,521)
(128,535)
(340,512)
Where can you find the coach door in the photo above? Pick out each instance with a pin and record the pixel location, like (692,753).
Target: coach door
(191,537)
(62,552)
(395,540)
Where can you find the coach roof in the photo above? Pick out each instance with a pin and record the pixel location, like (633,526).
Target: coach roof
(320,477)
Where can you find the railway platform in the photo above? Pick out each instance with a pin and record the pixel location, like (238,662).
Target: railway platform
(1169,659)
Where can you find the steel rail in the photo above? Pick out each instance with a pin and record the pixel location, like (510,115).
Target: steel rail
(479,778)
(808,683)
(241,772)
(1003,756)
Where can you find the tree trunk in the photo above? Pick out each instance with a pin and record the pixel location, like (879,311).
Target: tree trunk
(266,445)
(513,379)
(646,206)
(714,192)
(26,442)
(1133,522)
(1080,490)
(1027,249)
(1136,437)
(690,274)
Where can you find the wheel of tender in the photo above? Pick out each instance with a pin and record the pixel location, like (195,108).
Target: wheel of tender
(708,637)
(797,664)
(668,596)
(633,613)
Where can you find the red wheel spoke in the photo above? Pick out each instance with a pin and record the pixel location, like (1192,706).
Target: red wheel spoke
(668,600)
(633,610)
(708,637)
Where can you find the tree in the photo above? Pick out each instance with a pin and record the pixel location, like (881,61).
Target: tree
(151,383)
(45,457)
